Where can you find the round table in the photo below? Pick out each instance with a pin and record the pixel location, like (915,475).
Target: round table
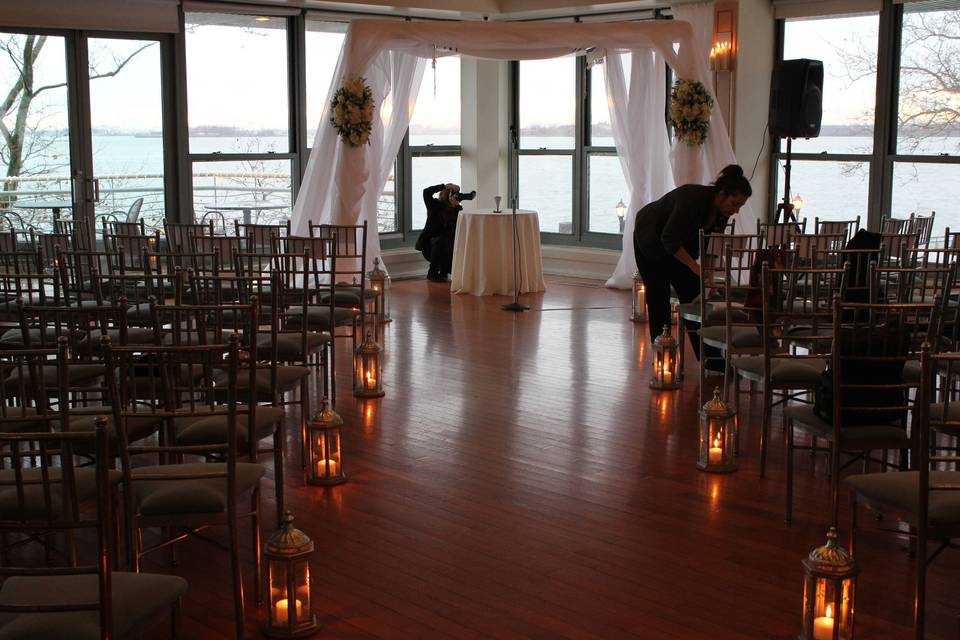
(483,253)
(247,208)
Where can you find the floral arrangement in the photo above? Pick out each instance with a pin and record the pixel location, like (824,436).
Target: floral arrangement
(352,109)
(690,107)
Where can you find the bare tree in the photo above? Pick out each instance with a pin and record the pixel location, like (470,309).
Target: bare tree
(21,113)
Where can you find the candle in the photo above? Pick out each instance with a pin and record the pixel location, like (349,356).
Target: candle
(322,466)
(716,453)
(282,613)
(823,625)
(371,381)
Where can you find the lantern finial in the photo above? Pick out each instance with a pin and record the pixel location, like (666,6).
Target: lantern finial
(289,540)
(831,556)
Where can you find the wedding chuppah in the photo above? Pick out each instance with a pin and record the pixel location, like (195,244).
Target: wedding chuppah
(383,63)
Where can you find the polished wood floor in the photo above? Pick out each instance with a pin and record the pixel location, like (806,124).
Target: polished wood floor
(520,480)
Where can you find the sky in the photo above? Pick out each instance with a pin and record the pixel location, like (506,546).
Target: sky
(237,77)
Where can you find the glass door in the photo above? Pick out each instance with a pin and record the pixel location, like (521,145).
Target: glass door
(126,134)
(35,154)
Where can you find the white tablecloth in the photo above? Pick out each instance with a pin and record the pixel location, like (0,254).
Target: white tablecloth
(483,253)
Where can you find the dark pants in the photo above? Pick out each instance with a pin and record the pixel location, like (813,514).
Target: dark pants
(441,255)
(658,276)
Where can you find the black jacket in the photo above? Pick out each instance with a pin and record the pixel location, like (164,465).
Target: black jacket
(441,219)
(675,220)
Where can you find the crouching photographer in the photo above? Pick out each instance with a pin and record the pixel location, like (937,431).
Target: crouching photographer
(436,240)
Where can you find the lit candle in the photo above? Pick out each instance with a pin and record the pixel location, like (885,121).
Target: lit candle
(371,381)
(823,625)
(667,368)
(715,455)
(282,613)
(322,466)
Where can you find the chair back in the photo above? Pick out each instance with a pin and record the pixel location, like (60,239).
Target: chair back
(808,245)
(78,230)
(848,228)
(258,238)
(923,227)
(181,236)
(895,225)
(223,246)
(780,234)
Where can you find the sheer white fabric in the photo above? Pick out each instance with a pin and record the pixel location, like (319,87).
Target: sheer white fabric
(636,117)
(342,183)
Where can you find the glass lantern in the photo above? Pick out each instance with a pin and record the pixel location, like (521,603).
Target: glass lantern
(380,283)
(829,585)
(639,313)
(368,369)
(325,456)
(666,361)
(287,555)
(717,437)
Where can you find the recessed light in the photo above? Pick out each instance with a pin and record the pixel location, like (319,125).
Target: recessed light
(262,19)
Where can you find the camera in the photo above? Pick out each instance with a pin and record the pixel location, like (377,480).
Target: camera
(465,196)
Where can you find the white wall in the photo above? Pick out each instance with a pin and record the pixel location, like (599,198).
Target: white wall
(755,40)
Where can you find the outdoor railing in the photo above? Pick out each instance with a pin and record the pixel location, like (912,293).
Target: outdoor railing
(210,189)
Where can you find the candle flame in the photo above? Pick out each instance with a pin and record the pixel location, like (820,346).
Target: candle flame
(716,442)
(829,610)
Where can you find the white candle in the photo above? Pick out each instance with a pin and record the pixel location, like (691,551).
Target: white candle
(716,453)
(322,466)
(282,610)
(823,626)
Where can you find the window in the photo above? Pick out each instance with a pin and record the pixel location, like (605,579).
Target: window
(548,127)
(832,172)
(606,185)
(434,137)
(239,107)
(324,40)
(926,173)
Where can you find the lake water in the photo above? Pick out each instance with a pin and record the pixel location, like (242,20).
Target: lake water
(130,166)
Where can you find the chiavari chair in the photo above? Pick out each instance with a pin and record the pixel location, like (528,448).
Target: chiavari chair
(258,238)
(176,383)
(348,247)
(924,497)
(848,228)
(83,597)
(780,235)
(870,399)
(181,237)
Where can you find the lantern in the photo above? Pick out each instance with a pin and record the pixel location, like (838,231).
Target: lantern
(717,436)
(797,203)
(829,584)
(152,251)
(325,457)
(639,313)
(368,369)
(666,361)
(380,284)
(621,213)
(287,554)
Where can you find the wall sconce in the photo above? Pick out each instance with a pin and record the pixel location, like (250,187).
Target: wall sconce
(621,213)
(721,55)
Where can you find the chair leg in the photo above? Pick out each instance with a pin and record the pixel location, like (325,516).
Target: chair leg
(175,619)
(765,427)
(257,568)
(853,523)
(278,474)
(788,517)
(237,576)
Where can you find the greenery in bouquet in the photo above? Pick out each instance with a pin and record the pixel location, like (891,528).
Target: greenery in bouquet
(352,110)
(690,107)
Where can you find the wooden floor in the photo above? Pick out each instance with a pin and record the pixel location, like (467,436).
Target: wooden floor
(519,479)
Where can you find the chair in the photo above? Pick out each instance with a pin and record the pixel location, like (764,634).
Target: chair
(872,344)
(797,320)
(132,214)
(923,227)
(780,234)
(81,601)
(258,238)
(176,383)
(180,237)
(923,497)
(809,245)
(848,228)
(348,247)
(78,230)
(889,225)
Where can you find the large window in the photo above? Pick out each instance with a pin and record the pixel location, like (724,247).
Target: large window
(607,186)
(238,105)
(832,172)
(926,173)
(434,140)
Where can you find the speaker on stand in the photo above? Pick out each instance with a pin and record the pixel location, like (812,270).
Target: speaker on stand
(796,108)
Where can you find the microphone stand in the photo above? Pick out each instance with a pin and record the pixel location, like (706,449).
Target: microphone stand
(515,305)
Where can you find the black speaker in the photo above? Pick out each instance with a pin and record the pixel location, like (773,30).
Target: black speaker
(796,98)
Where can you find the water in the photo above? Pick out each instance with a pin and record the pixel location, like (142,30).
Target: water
(131,166)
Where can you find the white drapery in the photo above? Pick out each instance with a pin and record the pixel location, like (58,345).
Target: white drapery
(342,182)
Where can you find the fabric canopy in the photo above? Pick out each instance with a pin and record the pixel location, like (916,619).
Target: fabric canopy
(341,182)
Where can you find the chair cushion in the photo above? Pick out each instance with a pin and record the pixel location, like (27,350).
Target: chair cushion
(802,372)
(348,296)
(135,336)
(743,337)
(139,313)
(14,338)
(289,345)
(319,317)
(35,507)
(205,495)
(288,377)
(887,435)
(82,419)
(213,429)
(137,599)
(899,489)
(77,374)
